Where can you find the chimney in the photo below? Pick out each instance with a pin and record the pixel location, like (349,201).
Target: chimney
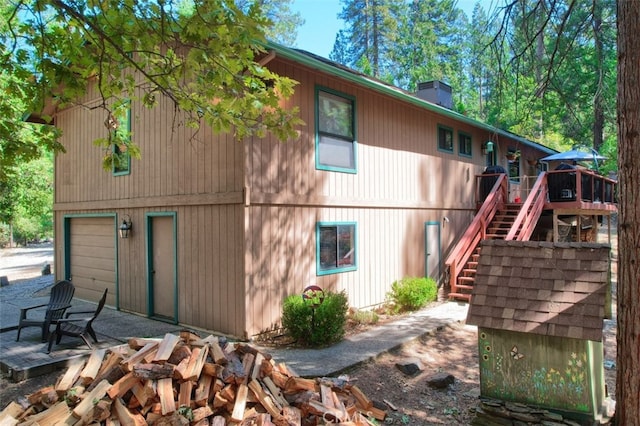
(436,92)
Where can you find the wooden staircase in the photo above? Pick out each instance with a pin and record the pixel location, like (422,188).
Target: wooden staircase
(498,220)
(498,229)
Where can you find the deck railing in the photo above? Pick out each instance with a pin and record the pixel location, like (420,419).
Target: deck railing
(525,222)
(580,185)
(495,198)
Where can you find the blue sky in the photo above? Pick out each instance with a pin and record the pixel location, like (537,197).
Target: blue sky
(318,33)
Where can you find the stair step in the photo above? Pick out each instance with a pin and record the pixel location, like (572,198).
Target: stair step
(464,287)
(472,263)
(469,271)
(462,296)
(466,280)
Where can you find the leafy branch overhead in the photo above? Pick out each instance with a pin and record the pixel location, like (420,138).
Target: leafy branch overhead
(202,56)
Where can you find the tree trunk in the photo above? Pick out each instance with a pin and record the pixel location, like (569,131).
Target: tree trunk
(628,339)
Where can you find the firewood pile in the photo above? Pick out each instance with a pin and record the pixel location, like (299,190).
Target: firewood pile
(186,380)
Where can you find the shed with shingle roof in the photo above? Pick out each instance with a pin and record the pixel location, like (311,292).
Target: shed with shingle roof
(539,308)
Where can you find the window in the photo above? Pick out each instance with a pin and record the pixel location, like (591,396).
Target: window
(336,247)
(445,138)
(335,127)
(464,144)
(121,128)
(513,160)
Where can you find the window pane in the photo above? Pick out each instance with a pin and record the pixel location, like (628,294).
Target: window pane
(445,139)
(514,170)
(335,115)
(336,247)
(346,250)
(465,144)
(328,247)
(121,159)
(336,153)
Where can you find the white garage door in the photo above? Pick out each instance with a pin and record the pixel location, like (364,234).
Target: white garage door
(93,257)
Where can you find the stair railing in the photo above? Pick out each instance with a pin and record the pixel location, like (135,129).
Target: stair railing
(476,231)
(530,211)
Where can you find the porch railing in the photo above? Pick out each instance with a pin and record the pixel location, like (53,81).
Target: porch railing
(525,223)
(496,197)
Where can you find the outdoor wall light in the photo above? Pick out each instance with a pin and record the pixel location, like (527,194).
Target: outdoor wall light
(125,226)
(487,148)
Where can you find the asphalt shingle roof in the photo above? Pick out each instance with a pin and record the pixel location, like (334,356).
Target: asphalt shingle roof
(553,289)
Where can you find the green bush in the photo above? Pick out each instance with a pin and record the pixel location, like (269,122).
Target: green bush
(410,294)
(323,328)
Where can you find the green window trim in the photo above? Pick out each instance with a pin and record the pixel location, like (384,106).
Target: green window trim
(122,161)
(335,131)
(465,145)
(336,247)
(445,139)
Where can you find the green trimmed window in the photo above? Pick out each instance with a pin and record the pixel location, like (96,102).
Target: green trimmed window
(464,144)
(336,247)
(445,138)
(122,135)
(335,131)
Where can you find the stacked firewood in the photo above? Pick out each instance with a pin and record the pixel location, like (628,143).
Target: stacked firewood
(186,380)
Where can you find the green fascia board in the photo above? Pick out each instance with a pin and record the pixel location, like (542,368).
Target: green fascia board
(309,60)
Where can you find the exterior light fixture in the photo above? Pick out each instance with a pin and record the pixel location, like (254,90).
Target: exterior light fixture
(125,227)
(487,148)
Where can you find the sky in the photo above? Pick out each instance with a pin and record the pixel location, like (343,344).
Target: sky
(318,33)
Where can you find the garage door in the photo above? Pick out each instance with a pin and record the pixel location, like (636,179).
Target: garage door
(92,257)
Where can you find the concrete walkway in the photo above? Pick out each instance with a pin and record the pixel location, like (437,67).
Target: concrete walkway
(28,357)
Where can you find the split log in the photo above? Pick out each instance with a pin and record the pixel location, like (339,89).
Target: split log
(90,399)
(362,401)
(264,399)
(202,390)
(90,371)
(165,392)
(180,352)
(154,371)
(122,386)
(59,414)
(166,346)
(241,402)
(70,376)
(148,349)
(126,417)
(184,396)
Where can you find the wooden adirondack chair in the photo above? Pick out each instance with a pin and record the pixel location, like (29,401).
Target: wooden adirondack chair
(59,302)
(77,327)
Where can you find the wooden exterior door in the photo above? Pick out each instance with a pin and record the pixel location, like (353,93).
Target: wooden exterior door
(161,261)
(432,252)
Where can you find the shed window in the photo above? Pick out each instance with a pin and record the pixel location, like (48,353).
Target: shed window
(464,144)
(445,138)
(335,132)
(336,247)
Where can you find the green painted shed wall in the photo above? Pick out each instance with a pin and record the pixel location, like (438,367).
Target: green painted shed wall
(551,372)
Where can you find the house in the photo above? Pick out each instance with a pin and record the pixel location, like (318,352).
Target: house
(539,308)
(222,231)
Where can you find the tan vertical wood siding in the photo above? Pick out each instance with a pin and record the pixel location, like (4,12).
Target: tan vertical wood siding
(246,212)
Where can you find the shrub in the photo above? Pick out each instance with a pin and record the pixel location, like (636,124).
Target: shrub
(363,317)
(410,294)
(323,328)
